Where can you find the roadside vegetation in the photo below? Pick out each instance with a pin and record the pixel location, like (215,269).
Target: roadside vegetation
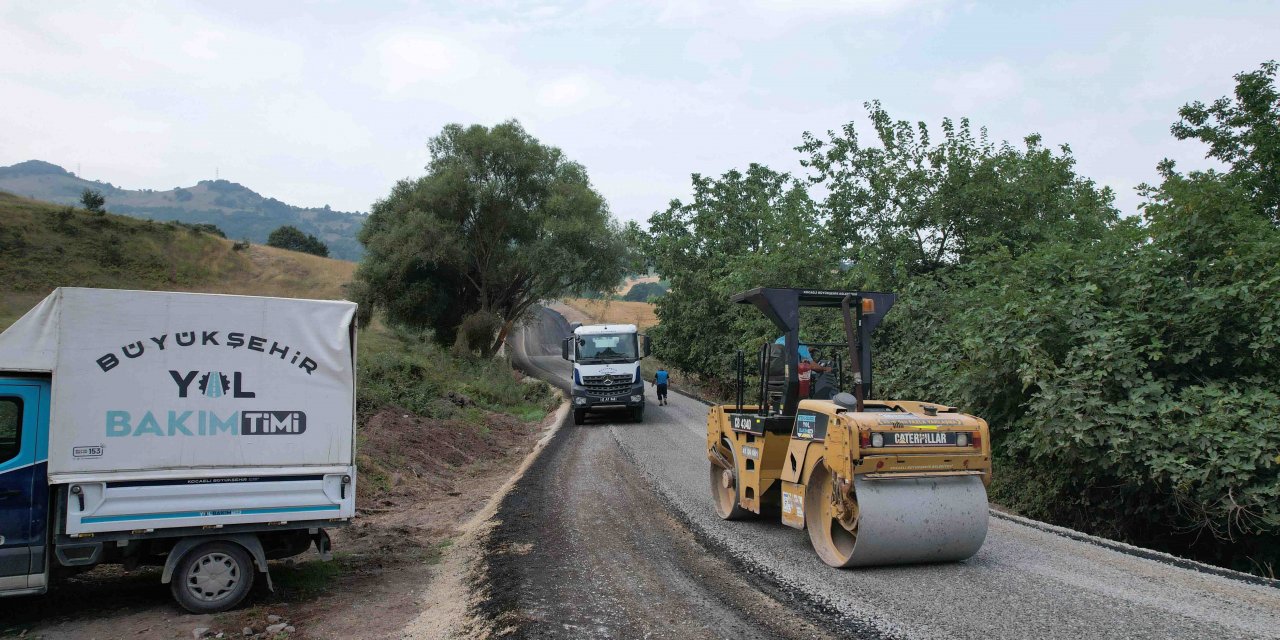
(44,246)
(499,223)
(435,426)
(293,239)
(1129,365)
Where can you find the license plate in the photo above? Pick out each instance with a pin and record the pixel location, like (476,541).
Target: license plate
(921,439)
(609,399)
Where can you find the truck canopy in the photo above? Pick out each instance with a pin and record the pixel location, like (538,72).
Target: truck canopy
(151,385)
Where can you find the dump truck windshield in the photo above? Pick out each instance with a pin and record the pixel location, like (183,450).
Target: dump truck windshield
(601,348)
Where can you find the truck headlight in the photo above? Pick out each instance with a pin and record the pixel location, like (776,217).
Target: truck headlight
(877,440)
(637,398)
(579,400)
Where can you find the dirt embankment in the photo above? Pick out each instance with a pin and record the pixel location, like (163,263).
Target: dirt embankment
(425,481)
(422,483)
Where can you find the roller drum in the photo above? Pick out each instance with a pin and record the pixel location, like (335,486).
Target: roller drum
(919,520)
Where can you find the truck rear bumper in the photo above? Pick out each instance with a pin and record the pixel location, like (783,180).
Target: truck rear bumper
(175,503)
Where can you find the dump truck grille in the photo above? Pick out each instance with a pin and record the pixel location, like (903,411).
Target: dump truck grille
(607,384)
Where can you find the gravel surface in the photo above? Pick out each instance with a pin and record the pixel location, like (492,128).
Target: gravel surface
(1024,583)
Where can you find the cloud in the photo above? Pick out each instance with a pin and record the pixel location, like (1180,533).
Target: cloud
(405,60)
(775,12)
(332,104)
(571,93)
(994,81)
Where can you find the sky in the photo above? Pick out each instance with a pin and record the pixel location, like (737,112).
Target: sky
(332,103)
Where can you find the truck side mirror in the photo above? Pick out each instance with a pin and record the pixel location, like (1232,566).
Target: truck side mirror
(645,347)
(564,348)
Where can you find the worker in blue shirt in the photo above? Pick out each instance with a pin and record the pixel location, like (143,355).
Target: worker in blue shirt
(660,381)
(803,350)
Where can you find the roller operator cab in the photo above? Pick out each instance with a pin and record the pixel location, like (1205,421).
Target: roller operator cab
(205,434)
(606,369)
(874,482)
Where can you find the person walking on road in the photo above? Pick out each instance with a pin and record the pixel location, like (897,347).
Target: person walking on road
(660,381)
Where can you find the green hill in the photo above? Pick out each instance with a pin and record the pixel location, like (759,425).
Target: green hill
(239,211)
(43,246)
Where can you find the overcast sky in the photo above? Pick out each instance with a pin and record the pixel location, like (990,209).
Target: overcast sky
(331,103)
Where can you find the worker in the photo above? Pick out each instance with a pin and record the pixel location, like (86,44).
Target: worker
(660,381)
(806,368)
(803,350)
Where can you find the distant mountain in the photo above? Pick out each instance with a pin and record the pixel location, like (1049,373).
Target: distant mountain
(239,211)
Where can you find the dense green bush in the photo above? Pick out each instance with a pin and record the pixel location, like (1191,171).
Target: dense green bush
(404,368)
(1129,367)
(1131,384)
(645,292)
(292,238)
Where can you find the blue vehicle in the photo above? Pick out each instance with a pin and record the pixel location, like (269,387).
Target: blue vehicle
(203,434)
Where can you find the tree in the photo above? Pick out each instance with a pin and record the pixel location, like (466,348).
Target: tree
(913,206)
(93,200)
(742,230)
(645,292)
(1244,133)
(499,222)
(292,238)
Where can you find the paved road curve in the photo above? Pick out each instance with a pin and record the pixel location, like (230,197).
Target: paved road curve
(590,553)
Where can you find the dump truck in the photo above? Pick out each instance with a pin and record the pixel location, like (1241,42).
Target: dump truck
(606,369)
(205,434)
(874,482)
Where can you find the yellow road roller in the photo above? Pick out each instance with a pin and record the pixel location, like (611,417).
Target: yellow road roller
(875,482)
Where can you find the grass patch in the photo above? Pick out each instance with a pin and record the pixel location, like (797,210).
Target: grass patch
(435,553)
(44,246)
(306,579)
(406,369)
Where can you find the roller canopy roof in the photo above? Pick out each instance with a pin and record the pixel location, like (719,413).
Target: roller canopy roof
(781,305)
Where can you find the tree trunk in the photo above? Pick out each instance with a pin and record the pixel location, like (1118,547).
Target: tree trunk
(502,336)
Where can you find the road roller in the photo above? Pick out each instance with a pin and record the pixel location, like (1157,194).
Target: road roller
(874,482)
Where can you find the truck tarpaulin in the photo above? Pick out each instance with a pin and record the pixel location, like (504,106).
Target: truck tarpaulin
(156,385)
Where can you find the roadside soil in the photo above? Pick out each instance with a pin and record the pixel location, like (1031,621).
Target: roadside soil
(422,482)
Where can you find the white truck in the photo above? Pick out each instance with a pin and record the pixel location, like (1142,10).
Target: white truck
(606,369)
(206,434)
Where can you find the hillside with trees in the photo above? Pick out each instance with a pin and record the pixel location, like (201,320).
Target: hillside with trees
(240,212)
(1129,365)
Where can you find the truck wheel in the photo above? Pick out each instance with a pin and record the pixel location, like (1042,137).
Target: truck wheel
(579,416)
(637,414)
(213,577)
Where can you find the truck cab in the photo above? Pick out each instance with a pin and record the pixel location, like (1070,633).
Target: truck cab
(23,485)
(606,369)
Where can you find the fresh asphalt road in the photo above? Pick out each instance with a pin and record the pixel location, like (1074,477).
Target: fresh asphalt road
(1024,583)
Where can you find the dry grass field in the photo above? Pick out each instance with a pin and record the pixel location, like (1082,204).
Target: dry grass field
(45,246)
(640,314)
